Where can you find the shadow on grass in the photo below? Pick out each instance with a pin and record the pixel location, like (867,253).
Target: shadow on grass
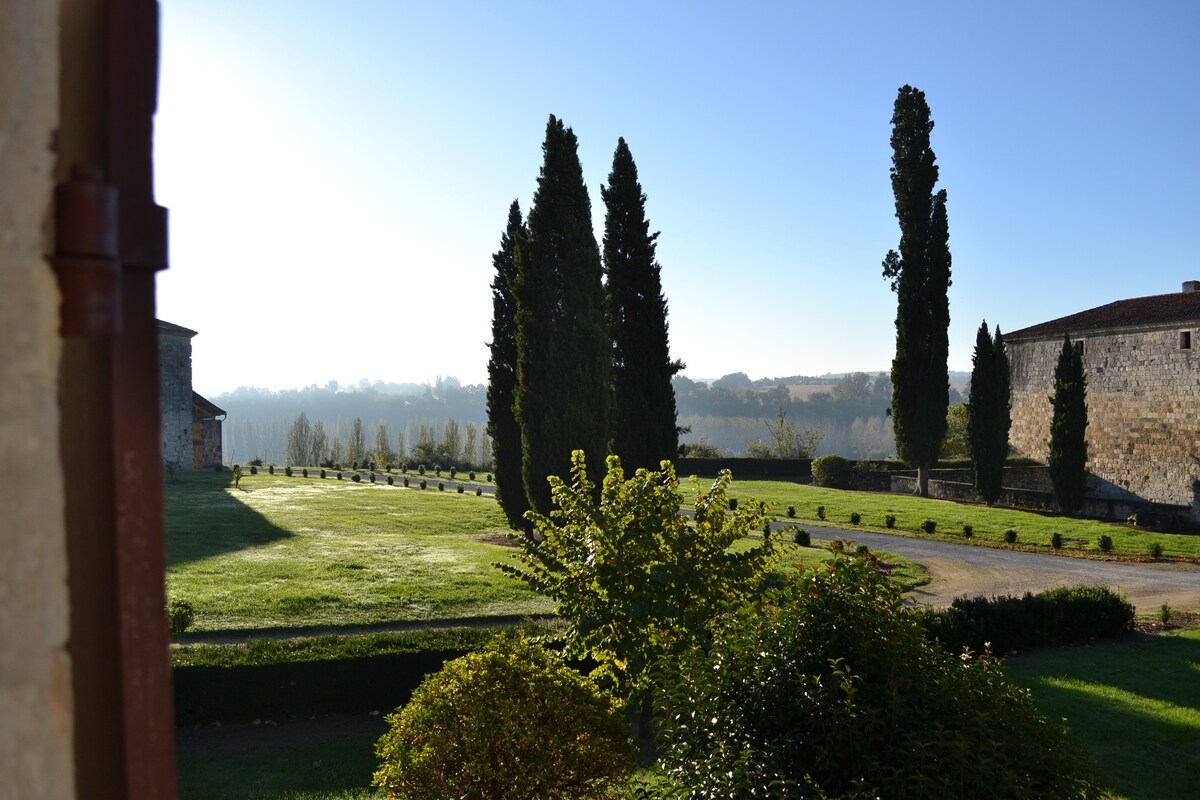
(1134,707)
(205,519)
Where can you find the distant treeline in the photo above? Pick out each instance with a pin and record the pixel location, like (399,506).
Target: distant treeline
(850,411)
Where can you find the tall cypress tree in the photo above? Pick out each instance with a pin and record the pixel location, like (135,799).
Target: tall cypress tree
(563,350)
(920,276)
(502,423)
(644,430)
(988,419)
(1068,427)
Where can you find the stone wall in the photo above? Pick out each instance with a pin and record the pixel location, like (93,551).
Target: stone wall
(175,378)
(1143,402)
(36,705)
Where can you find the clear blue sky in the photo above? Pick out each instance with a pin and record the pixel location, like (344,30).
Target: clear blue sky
(339,174)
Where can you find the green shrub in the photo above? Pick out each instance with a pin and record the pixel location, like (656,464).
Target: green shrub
(405,481)
(253,469)
(421,469)
(180,615)
(929,525)
(339,475)
(1155,550)
(1056,617)
(832,471)
(453,472)
(322,474)
(1105,542)
(873,707)
(1056,540)
(471,474)
(304,472)
(271,469)
(441,486)
(1164,613)
(404,469)
(855,517)
(479,491)
(890,521)
(512,721)
(968,531)
(489,477)
(460,488)
(372,476)
(437,470)
(256,462)
(422,483)
(356,478)
(791,512)
(1010,536)
(733,504)
(821,512)
(390,481)
(803,538)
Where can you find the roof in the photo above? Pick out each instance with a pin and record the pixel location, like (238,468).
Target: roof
(1140,312)
(206,407)
(172,329)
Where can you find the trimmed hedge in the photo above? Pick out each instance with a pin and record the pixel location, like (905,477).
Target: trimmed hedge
(1067,615)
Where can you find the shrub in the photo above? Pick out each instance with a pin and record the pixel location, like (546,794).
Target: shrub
(180,615)
(874,708)
(390,481)
(271,469)
(256,462)
(821,512)
(766,530)
(460,488)
(423,483)
(890,521)
(372,477)
(304,472)
(471,474)
(421,469)
(1155,550)
(791,512)
(218,468)
(733,504)
(479,491)
(832,471)
(1056,617)
(929,525)
(1056,540)
(855,517)
(287,471)
(253,469)
(405,481)
(968,531)
(437,470)
(1164,613)
(356,478)
(511,721)
(489,477)
(441,486)
(803,538)
(1105,542)
(453,472)
(1010,536)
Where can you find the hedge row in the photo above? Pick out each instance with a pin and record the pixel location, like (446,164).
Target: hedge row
(1061,616)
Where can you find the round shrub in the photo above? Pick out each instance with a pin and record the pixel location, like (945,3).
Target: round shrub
(791,512)
(322,474)
(339,476)
(1056,540)
(271,469)
(489,477)
(253,469)
(437,470)
(453,472)
(356,478)
(405,481)
(441,486)
(866,692)
(180,615)
(471,474)
(460,488)
(423,484)
(733,504)
(1010,536)
(1105,542)
(968,531)
(421,469)
(479,491)
(890,521)
(304,472)
(372,477)
(1155,550)
(510,721)
(390,481)
(855,517)
(820,512)
(802,538)
(287,471)
(832,471)
(929,525)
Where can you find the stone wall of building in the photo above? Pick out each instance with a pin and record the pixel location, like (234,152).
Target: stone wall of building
(1143,401)
(206,443)
(36,704)
(175,371)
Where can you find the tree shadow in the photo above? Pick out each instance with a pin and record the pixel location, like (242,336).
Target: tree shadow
(204,519)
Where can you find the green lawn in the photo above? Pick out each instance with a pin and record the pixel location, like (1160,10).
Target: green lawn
(1034,530)
(1133,706)
(294,552)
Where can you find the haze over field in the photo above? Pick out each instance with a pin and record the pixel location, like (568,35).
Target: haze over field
(338,174)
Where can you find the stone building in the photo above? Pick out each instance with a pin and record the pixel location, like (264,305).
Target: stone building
(1143,395)
(191,425)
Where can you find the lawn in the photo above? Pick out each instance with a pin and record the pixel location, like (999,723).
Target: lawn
(1133,706)
(301,552)
(1034,530)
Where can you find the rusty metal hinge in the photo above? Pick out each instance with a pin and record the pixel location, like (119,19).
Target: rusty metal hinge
(85,254)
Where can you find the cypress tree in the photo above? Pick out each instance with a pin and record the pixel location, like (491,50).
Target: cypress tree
(563,350)
(502,423)
(644,429)
(1068,427)
(920,276)
(988,415)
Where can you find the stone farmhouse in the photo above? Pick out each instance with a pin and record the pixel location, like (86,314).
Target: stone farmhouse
(191,424)
(1142,366)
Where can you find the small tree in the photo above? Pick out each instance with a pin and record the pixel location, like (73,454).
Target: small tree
(384,457)
(356,449)
(636,579)
(299,441)
(956,444)
(1068,427)
(988,420)
(786,441)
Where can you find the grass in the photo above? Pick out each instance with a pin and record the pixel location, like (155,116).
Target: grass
(301,552)
(1133,706)
(1034,530)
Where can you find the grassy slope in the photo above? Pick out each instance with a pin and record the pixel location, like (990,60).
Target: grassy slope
(1033,529)
(300,552)
(1133,706)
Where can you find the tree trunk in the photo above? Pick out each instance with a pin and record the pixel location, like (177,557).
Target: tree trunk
(923,480)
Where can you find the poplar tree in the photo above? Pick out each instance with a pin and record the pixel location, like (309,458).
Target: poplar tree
(356,448)
(644,424)
(502,425)
(320,444)
(563,350)
(383,448)
(1068,427)
(988,419)
(299,441)
(920,276)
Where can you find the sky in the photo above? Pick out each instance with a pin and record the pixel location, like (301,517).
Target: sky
(338,174)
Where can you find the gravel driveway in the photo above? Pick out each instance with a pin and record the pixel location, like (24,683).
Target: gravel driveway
(962,569)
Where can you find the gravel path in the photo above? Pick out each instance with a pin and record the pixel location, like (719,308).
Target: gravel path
(962,569)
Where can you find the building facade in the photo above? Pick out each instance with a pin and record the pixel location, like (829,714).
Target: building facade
(191,425)
(1143,394)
